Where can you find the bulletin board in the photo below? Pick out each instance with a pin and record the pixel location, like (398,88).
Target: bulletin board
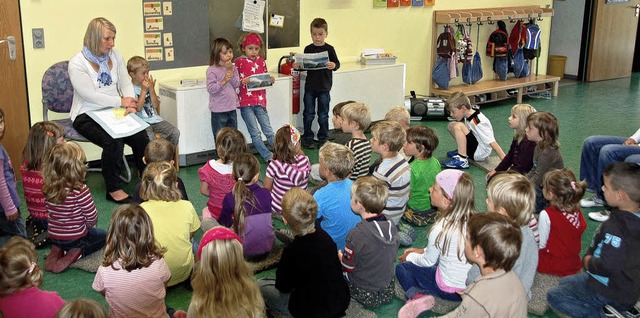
(174,35)
(286,34)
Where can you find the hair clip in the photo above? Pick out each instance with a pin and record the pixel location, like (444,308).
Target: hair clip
(49,133)
(295,134)
(32,267)
(573,185)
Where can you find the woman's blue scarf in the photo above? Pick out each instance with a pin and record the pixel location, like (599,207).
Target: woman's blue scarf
(104,74)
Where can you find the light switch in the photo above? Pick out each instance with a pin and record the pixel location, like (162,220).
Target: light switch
(38,38)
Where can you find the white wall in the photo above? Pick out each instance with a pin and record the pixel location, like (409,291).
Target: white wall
(566,32)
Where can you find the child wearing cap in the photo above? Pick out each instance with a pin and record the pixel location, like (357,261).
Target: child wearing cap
(253,104)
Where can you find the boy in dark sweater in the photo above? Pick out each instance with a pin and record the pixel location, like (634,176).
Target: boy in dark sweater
(612,262)
(318,85)
(309,280)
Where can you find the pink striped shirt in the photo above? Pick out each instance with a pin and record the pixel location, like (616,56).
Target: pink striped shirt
(286,176)
(71,219)
(33,197)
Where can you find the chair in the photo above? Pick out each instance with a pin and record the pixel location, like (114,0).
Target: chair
(57,96)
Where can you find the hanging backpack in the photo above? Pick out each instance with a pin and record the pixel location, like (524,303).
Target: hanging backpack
(472,71)
(497,43)
(445,44)
(531,47)
(464,45)
(440,74)
(518,36)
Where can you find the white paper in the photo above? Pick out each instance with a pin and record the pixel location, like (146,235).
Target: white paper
(259,81)
(312,61)
(370,52)
(252,16)
(118,127)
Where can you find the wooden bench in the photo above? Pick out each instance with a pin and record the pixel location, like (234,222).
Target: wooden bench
(500,87)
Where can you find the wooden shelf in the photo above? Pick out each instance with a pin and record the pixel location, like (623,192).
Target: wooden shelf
(491,14)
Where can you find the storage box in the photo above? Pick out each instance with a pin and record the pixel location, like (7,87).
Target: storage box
(375,60)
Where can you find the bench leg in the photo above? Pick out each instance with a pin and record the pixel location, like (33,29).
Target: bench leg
(519,98)
(554,92)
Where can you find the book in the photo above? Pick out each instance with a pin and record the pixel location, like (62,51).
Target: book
(116,123)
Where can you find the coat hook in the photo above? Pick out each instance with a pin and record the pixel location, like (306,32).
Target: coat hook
(539,16)
(489,20)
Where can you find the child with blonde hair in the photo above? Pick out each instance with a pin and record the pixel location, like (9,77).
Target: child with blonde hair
(42,136)
(247,209)
(511,194)
(11,223)
(159,150)
(215,175)
(542,128)
(520,155)
(561,224)
(222,81)
(336,120)
(289,168)
(356,118)
(20,277)
(82,308)
(72,212)
(223,283)
(133,273)
(440,269)
(253,104)
(174,220)
(400,115)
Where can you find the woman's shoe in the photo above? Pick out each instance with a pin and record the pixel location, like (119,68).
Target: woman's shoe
(128,199)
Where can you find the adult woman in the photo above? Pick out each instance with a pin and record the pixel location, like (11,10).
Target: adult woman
(99,76)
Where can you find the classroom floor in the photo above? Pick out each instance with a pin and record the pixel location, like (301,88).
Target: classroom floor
(583,109)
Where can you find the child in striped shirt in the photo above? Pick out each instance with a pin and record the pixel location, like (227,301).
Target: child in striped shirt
(289,168)
(356,118)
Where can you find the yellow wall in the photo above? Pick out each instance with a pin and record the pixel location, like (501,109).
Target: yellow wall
(353,25)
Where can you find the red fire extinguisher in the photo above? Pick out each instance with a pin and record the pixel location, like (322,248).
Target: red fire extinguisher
(287,69)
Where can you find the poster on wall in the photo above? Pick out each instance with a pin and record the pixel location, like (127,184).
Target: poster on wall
(393,3)
(429,2)
(405,3)
(379,3)
(417,3)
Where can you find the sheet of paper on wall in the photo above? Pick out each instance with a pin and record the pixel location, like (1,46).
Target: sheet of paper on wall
(167,8)
(116,125)
(417,3)
(312,61)
(276,20)
(168,39)
(153,54)
(252,16)
(152,39)
(152,8)
(169,54)
(379,3)
(154,24)
(259,81)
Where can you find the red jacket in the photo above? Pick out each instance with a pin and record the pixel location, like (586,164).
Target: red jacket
(561,256)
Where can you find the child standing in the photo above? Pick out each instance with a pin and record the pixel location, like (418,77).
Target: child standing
(247,208)
(144,88)
(421,142)
(542,128)
(440,268)
(334,199)
(561,224)
(612,261)
(356,118)
(253,104)
(309,280)
(474,137)
(174,220)
(289,168)
(520,155)
(156,151)
(371,247)
(133,273)
(42,136)
(222,82)
(11,223)
(318,85)
(215,175)
(493,243)
(511,194)
(20,277)
(72,212)
(223,284)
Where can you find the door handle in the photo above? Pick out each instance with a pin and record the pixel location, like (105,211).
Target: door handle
(637,10)
(11,41)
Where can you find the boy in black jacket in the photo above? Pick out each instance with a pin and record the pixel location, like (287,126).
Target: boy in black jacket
(612,262)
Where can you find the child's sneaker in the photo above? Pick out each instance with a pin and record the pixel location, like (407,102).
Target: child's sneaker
(456,162)
(406,228)
(404,239)
(308,144)
(591,202)
(452,153)
(600,216)
(417,305)
(609,311)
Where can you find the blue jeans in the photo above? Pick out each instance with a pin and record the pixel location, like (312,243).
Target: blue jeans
(9,229)
(273,298)
(309,114)
(92,242)
(574,298)
(224,119)
(597,153)
(254,116)
(415,279)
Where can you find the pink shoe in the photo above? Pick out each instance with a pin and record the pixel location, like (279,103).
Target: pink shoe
(416,306)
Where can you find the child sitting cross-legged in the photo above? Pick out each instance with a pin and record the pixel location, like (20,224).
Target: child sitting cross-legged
(156,151)
(493,244)
(371,247)
(356,118)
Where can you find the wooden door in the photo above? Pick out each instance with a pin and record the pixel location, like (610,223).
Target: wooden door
(613,34)
(13,84)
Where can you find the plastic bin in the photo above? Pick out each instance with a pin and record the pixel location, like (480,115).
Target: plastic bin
(556,65)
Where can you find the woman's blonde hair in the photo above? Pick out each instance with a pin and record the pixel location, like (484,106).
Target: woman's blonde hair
(82,308)
(456,215)
(42,136)
(566,190)
(130,239)
(159,182)
(244,169)
(94,33)
(515,194)
(63,170)
(223,284)
(284,150)
(18,266)
(521,112)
